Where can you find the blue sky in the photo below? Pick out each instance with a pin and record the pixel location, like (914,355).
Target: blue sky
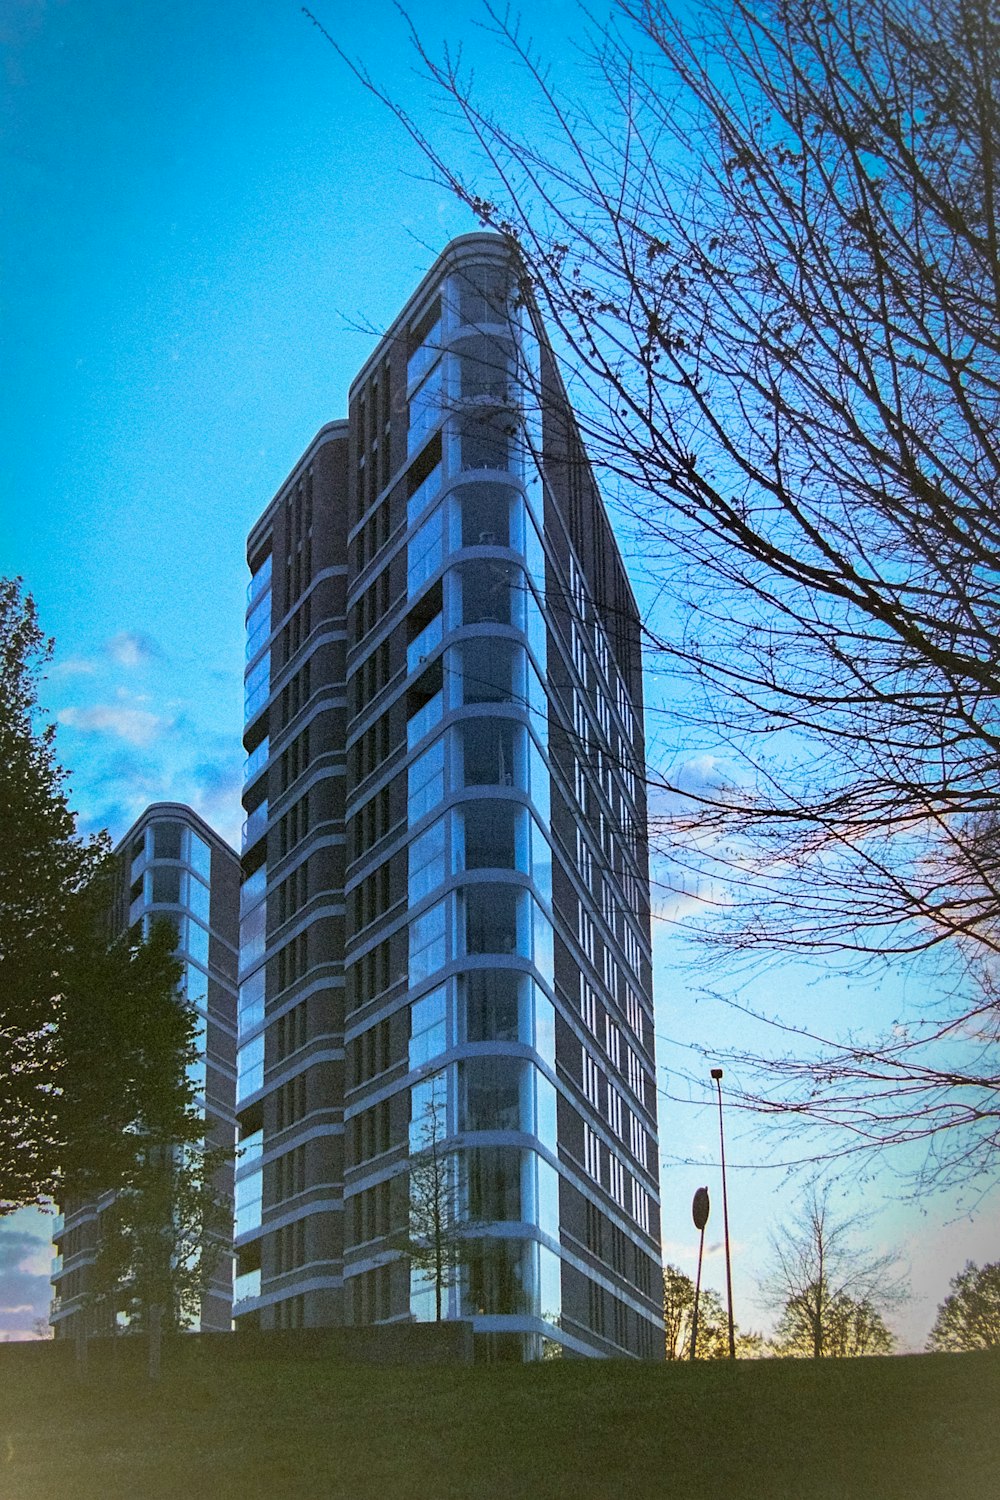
(207,223)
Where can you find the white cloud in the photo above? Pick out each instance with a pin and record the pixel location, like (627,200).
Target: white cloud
(130,648)
(137,726)
(73,666)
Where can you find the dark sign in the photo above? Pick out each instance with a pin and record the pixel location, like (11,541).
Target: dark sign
(699,1208)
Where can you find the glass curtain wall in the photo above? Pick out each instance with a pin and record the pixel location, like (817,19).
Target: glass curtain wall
(482,1046)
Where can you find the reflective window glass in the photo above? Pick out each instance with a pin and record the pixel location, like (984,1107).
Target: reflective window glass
(485,510)
(249,1192)
(197,898)
(251,1002)
(423,494)
(549,1284)
(429,1111)
(195,984)
(427,862)
(167,838)
(428,943)
(491,918)
(425,782)
(425,408)
(425,551)
(197,942)
(489,751)
(544,1039)
(199,856)
(165,885)
(491,670)
(425,354)
(492,1094)
(545,1109)
(486,366)
(482,294)
(487,439)
(490,1001)
(490,835)
(260,579)
(498,1278)
(428,1027)
(546,1196)
(252,934)
(258,625)
(250,1067)
(493,1183)
(492,593)
(253,889)
(257,686)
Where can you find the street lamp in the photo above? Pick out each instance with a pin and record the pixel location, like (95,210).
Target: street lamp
(717,1075)
(699,1213)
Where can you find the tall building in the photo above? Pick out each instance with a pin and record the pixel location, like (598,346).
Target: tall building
(171,865)
(445,940)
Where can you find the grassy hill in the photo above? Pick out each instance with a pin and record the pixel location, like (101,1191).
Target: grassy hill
(877,1429)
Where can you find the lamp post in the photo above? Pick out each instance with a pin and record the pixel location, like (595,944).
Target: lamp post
(717,1075)
(699,1213)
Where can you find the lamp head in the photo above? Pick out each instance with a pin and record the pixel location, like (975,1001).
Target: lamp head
(716,1073)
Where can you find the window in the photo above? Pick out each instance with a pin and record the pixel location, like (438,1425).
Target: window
(632,951)
(633,1011)
(592,1152)
(425,552)
(257,686)
(636,1077)
(612,1042)
(588,1005)
(426,862)
(591,1078)
(485,511)
(584,858)
(485,368)
(426,405)
(428,943)
(491,1005)
(425,782)
(492,670)
(610,974)
(491,841)
(579,652)
(491,918)
(428,1027)
(491,1094)
(637,1137)
(615,1110)
(486,439)
(482,294)
(489,751)
(585,932)
(640,1205)
(616,1179)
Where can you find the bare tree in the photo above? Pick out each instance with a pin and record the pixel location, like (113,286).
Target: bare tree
(969,1318)
(831,1293)
(434,1238)
(765,241)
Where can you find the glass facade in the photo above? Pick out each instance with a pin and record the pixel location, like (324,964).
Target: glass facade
(482,1029)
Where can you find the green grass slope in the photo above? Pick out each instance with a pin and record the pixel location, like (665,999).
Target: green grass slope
(878,1429)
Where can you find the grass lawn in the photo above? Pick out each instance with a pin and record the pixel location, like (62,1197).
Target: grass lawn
(923,1425)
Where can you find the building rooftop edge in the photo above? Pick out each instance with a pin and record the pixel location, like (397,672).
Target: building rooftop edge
(476,239)
(174,809)
(339,427)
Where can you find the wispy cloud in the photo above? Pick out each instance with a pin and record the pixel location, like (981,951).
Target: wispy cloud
(137,726)
(73,666)
(130,648)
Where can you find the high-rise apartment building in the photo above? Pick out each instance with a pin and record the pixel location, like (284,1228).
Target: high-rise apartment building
(172,866)
(445,940)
